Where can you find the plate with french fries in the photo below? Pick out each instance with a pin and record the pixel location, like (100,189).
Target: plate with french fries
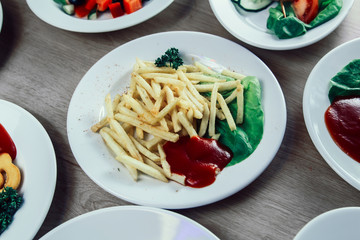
(127,108)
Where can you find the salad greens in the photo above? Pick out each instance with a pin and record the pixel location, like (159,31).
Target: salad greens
(346,82)
(10,202)
(244,140)
(291,26)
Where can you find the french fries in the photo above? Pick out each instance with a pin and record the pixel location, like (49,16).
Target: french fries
(163,104)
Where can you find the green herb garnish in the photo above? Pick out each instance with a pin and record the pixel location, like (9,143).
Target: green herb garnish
(171,58)
(10,202)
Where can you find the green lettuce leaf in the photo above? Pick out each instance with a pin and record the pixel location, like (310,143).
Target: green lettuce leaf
(346,82)
(244,140)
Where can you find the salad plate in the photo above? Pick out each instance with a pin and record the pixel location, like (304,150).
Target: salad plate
(49,12)
(111,74)
(316,102)
(341,223)
(250,27)
(130,222)
(37,163)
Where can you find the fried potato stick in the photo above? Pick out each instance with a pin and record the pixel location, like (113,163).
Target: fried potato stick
(142,167)
(117,150)
(240,104)
(222,86)
(168,136)
(123,137)
(186,124)
(226,111)
(213,109)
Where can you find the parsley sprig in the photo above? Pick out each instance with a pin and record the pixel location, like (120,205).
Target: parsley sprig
(171,58)
(10,202)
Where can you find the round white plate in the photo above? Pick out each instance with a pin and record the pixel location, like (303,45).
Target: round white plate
(315,103)
(130,222)
(49,12)
(341,223)
(251,26)
(1,16)
(112,74)
(37,163)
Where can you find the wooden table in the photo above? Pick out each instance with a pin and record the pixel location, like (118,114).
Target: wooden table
(40,66)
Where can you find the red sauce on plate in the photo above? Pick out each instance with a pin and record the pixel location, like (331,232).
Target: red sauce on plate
(6,143)
(342,119)
(198,159)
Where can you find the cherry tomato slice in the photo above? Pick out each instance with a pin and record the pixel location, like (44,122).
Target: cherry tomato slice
(306,10)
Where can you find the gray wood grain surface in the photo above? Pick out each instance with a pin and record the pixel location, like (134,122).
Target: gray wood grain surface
(41,65)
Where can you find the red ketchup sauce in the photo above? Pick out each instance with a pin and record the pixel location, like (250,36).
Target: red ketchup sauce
(198,159)
(342,119)
(6,143)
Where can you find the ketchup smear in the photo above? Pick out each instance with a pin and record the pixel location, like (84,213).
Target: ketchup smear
(6,143)
(198,159)
(342,119)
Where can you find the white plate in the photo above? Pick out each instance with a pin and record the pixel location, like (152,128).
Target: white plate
(315,103)
(48,11)
(341,223)
(251,27)
(1,16)
(130,222)
(37,162)
(112,74)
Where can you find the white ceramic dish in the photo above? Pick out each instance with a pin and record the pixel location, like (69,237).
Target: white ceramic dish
(49,12)
(250,27)
(1,16)
(37,162)
(342,223)
(315,103)
(130,222)
(112,74)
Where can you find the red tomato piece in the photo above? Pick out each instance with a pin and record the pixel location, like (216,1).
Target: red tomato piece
(131,6)
(81,11)
(103,5)
(306,10)
(116,9)
(90,4)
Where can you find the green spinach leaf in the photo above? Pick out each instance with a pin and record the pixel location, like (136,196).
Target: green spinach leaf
(291,26)
(244,140)
(346,82)
(328,9)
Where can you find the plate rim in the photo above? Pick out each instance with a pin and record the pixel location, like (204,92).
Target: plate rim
(257,171)
(51,182)
(323,216)
(120,209)
(334,23)
(317,141)
(1,16)
(73,24)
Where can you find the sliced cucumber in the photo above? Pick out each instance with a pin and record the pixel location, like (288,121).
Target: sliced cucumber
(254,5)
(68,9)
(61,2)
(93,14)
